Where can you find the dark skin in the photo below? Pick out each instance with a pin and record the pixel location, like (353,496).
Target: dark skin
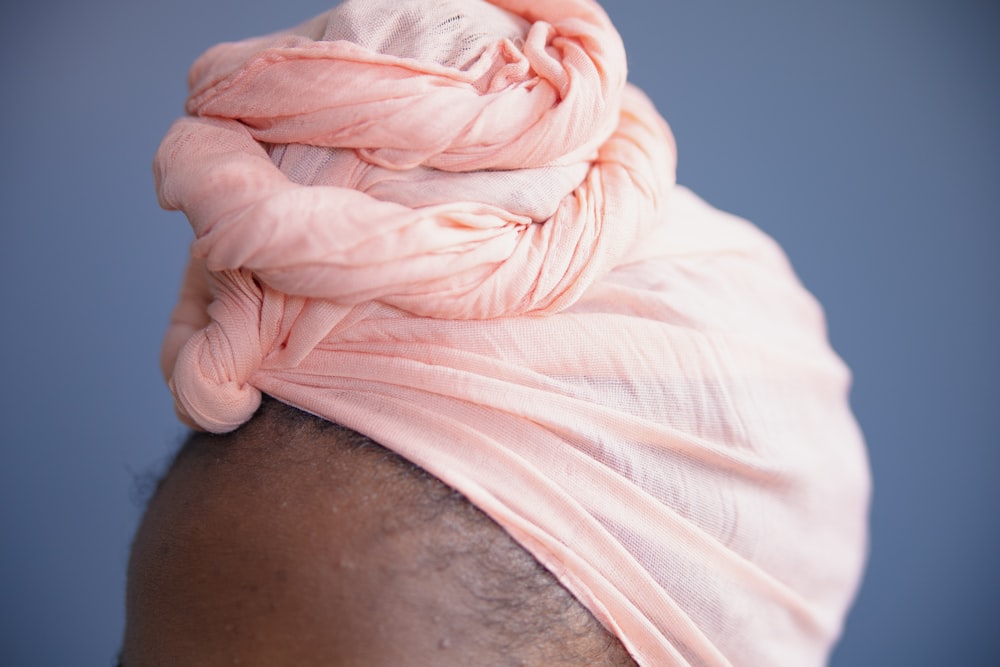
(295,542)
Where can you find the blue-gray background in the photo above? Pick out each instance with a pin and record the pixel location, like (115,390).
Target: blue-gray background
(863,134)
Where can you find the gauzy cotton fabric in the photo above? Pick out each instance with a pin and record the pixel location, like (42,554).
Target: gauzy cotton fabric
(453,227)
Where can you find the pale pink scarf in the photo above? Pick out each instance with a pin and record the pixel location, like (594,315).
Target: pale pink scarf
(458,233)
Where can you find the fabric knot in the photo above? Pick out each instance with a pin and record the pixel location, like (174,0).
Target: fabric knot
(211,373)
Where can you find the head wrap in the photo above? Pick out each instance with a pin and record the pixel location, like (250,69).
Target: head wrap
(452,226)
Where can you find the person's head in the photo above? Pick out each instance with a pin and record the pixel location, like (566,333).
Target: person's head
(293,541)
(457,231)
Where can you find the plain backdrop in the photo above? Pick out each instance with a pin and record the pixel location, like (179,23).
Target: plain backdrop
(863,134)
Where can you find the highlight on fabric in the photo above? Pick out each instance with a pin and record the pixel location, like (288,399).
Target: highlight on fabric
(453,226)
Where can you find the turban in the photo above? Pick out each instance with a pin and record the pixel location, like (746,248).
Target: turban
(453,227)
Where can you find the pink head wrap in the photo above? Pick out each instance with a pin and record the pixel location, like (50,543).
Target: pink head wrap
(452,226)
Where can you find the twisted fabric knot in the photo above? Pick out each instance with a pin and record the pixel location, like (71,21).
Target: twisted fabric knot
(477,187)
(217,361)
